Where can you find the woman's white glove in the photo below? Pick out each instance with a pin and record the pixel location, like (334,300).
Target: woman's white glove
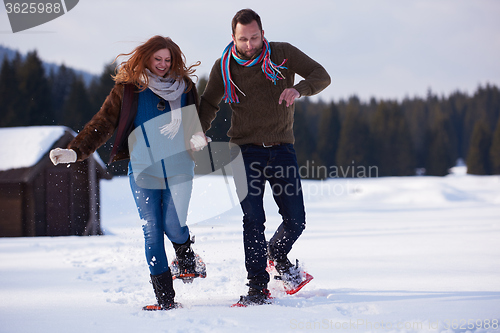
(172,128)
(199,141)
(59,155)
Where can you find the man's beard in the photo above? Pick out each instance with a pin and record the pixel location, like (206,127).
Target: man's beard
(245,56)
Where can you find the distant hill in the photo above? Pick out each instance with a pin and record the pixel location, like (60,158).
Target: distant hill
(10,54)
(6,52)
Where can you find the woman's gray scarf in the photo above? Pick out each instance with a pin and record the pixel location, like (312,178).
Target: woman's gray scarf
(170,90)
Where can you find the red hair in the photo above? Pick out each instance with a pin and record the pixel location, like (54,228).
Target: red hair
(134,69)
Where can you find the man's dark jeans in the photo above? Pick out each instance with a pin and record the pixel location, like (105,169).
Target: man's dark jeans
(278,165)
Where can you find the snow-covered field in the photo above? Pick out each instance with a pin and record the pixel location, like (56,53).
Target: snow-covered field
(410,254)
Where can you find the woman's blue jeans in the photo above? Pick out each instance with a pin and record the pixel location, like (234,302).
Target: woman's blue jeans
(164,212)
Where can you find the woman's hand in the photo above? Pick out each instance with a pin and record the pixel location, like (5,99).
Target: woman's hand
(59,155)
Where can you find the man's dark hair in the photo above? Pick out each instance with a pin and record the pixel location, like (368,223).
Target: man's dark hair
(246,16)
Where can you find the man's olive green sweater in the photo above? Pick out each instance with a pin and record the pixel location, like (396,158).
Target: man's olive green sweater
(258,117)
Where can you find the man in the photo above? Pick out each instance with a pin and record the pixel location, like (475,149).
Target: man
(259,84)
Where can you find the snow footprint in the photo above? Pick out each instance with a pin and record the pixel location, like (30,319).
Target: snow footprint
(351,310)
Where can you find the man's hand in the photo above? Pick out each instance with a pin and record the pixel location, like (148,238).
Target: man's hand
(199,141)
(289,95)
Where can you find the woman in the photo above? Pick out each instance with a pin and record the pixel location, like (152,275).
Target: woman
(153,108)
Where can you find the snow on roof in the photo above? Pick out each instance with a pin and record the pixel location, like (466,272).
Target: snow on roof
(22,147)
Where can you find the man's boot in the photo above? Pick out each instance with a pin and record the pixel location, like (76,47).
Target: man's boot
(258,294)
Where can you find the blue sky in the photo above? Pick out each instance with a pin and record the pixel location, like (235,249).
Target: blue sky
(372,48)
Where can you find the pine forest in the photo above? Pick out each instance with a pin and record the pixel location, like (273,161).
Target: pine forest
(335,139)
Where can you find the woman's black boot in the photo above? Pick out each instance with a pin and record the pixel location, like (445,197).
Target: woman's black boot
(185,258)
(164,291)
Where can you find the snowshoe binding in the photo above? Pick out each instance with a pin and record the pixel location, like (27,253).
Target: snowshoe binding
(292,277)
(187,265)
(157,307)
(187,275)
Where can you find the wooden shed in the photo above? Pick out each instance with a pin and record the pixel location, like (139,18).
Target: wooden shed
(40,199)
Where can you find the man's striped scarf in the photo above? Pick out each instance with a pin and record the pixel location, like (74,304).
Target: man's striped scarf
(270,69)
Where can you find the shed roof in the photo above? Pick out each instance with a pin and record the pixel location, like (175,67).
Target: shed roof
(22,148)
